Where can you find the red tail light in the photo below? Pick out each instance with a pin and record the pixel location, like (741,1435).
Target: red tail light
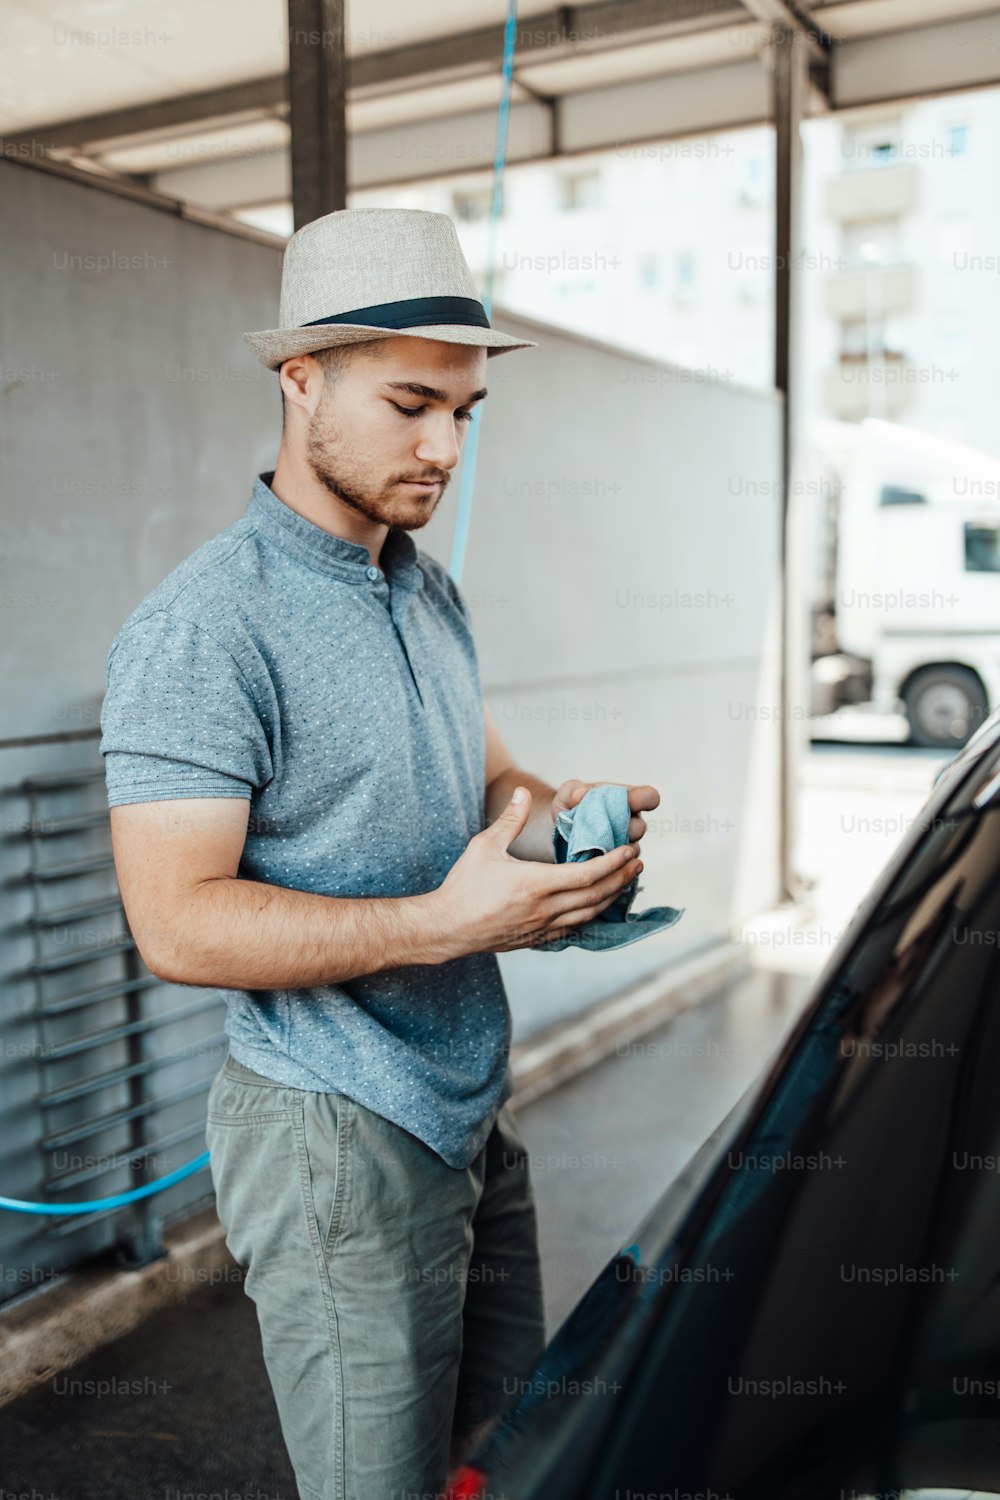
(468,1485)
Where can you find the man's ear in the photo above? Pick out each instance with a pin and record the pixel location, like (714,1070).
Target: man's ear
(301,381)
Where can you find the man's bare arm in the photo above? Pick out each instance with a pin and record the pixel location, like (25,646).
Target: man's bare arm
(195,922)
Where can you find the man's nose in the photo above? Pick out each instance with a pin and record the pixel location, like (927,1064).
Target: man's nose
(439,443)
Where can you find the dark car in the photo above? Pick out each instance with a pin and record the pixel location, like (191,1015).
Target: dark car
(812,1309)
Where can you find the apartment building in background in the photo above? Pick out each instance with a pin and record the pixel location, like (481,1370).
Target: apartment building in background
(666,248)
(905,324)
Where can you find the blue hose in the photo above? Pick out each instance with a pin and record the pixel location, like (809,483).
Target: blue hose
(19,1206)
(499,158)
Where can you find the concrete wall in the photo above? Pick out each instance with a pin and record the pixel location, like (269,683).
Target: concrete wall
(622,570)
(131,415)
(622,579)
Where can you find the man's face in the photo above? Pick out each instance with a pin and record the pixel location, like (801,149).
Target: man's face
(394,417)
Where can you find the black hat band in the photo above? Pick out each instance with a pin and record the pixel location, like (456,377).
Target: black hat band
(412,312)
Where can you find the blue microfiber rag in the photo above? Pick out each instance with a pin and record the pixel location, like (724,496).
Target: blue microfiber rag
(597,823)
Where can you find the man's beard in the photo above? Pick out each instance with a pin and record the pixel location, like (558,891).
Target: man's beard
(349,481)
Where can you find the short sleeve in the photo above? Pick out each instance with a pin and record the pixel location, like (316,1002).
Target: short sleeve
(179,718)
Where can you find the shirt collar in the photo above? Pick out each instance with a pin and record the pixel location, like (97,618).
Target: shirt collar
(331,554)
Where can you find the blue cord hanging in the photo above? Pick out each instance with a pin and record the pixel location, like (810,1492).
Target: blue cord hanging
(499,158)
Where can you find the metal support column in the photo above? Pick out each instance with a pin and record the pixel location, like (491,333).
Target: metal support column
(317,80)
(789,83)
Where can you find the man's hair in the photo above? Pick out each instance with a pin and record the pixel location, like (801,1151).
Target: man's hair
(335,360)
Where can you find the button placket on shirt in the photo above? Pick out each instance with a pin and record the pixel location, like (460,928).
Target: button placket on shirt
(397,603)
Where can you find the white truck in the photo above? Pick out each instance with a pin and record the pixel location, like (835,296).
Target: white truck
(905,538)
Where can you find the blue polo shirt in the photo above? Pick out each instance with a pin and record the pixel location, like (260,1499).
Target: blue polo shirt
(343,700)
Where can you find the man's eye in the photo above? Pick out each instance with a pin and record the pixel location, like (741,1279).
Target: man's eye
(415,411)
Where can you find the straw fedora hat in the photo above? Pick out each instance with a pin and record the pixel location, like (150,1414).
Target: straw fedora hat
(376,273)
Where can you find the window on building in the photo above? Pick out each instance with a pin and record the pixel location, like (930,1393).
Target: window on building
(896,494)
(982,548)
(579,189)
(876,143)
(872,242)
(470,205)
(853,338)
(752,185)
(684,276)
(881,338)
(958,140)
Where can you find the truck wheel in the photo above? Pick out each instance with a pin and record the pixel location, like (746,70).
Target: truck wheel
(944,705)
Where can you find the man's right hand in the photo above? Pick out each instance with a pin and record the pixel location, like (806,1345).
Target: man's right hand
(490,902)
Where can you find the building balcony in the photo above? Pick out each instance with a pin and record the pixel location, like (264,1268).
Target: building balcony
(870,291)
(857,387)
(877,193)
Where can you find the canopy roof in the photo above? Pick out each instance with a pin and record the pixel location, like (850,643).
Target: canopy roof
(192,99)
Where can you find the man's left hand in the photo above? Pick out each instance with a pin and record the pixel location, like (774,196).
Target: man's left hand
(640,799)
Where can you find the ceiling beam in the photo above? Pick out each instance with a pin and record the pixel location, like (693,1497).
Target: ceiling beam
(565,30)
(787,19)
(550,102)
(257,97)
(791,18)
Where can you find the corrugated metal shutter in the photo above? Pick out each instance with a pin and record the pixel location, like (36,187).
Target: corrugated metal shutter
(105,1068)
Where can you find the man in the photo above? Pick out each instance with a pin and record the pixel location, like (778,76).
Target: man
(312,809)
